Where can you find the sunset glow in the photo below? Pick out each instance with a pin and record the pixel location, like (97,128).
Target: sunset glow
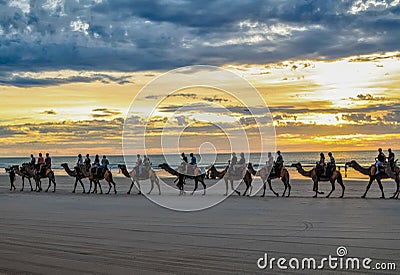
(321,97)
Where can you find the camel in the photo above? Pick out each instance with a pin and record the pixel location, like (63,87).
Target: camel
(135,178)
(198,177)
(107,176)
(38,176)
(78,177)
(370,171)
(22,173)
(336,176)
(245,175)
(267,176)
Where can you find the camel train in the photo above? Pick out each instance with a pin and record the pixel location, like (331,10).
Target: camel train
(240,173)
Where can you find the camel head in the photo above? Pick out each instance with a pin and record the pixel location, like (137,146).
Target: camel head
(163,165)
(120,166)
(8,170)
(64,165)
(349,163)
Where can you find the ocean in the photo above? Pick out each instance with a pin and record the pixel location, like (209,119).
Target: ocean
(307,159)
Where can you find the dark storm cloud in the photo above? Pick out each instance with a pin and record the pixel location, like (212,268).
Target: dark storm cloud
(31,81)
(139,35)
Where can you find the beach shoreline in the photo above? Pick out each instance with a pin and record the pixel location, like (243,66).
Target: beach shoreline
(67,233)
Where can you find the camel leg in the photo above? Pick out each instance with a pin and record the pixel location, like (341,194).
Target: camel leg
(139,188)
(115,187)
(98,183)
(158,185)
(109,188)
(289,186)
(264,187)
(368,186)
(54,185)
(315,188)
(130,188)
(83,186)
(284,191)
(30,183)
(236,191)
(340,181)
(245,191)
(270,187)
(380,187)
(204,186)
(23,184)
(76,182)
(397,189)
(196,185)
(226,185)
(151,186)
(94,186)
(48,187)
(332,188)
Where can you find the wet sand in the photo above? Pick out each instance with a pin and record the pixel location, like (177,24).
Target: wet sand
(64,233)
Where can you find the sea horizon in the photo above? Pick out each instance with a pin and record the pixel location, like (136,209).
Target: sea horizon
(307,159)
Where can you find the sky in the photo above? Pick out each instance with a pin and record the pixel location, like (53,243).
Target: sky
(329,71)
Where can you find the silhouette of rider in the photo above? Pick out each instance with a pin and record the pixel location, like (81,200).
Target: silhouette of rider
(47,160)
(278,163)
(233,162)
(331,165)
(321,165)
(270,163)
(87,162)
(380,161)
(105,163)
(40,163)
(242,160)
(139,164)
(391,159)
(32,161)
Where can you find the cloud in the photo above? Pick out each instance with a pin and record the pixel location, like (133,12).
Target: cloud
(49,112)
(104,113)
(34,80)
(126,35)
(368,97)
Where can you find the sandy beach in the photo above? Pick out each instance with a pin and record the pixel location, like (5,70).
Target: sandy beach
(64,233)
